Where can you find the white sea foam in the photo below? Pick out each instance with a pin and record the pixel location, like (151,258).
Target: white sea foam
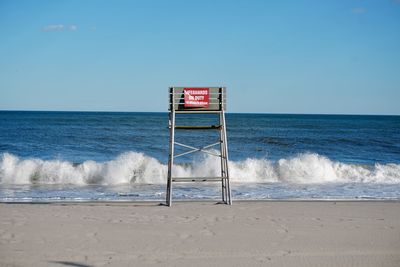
(130,167)
(133,167)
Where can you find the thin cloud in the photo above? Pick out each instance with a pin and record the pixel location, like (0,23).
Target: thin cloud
(359,10)
(59,27)
(53,27)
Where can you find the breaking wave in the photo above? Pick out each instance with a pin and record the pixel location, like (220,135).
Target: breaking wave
(133,167)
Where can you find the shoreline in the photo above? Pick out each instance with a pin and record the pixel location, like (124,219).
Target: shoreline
(200,233)
(162,203)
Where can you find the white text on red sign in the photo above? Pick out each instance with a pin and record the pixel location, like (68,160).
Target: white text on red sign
(196,97)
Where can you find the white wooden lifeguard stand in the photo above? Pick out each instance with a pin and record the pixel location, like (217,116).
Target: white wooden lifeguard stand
(199,100)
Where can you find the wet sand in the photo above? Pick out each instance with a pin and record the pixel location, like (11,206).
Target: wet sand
(259,233)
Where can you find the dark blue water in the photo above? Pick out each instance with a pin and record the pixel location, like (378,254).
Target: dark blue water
(102,155)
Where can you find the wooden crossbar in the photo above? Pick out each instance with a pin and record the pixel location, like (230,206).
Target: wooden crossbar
(197,179)
(198,127)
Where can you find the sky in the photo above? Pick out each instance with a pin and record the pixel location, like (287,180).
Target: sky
(299,56)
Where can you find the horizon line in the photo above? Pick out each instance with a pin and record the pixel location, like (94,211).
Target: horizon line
(257,113)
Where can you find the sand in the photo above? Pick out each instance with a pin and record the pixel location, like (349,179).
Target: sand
(262,233)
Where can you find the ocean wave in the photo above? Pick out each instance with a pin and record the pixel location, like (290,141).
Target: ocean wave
(134,167)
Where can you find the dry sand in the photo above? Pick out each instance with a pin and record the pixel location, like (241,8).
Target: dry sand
(201,234)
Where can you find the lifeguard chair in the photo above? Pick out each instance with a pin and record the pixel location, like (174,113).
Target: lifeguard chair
(199,100)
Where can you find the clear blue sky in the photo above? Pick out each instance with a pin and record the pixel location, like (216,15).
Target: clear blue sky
(274,56)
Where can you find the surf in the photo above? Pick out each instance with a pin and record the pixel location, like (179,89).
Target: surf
(138,168)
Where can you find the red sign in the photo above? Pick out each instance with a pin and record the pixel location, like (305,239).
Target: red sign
(196,97)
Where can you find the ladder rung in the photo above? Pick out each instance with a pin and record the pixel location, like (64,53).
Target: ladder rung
(192,127)
(217,111)
(198,179)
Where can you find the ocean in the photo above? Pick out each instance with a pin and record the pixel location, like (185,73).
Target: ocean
(115,156)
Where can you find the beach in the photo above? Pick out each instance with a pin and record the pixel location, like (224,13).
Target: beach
(112,110)
(248,233)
